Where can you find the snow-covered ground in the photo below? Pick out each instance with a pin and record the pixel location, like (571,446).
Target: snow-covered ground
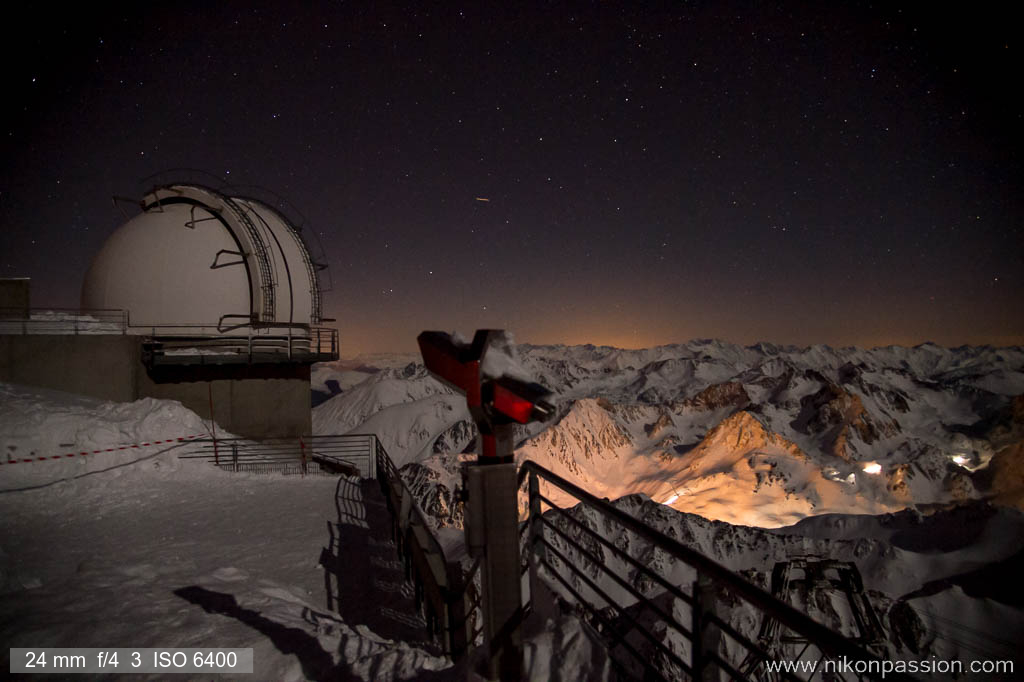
(138,548)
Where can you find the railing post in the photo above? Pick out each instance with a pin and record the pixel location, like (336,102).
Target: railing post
(535,552)
(234,456)
(371,455)
(696,627)
(457,621)
(705,637)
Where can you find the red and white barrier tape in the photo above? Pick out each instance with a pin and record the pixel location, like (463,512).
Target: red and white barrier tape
(133,446)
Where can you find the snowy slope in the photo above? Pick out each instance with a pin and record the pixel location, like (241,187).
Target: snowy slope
(39,423)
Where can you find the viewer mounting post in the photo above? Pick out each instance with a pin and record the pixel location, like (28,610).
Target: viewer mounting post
(492,520)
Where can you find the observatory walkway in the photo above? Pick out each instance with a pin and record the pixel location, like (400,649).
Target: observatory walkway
(374,590)
(663,610)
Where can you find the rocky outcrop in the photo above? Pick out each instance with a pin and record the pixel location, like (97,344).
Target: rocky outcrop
(654,429)
(435,499)
(838,416)
(742,432)
(456,438)
(717,396)
(1007,476)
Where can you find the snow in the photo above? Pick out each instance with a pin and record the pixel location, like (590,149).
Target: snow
(149,550)
(138,548)
(501,359)
(38,423)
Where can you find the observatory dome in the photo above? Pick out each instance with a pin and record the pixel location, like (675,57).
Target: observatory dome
(197,258)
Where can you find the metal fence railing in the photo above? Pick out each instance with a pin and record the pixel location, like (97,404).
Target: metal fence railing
(446,595)
(653,628)
(25,321)
(353,454)
(664,610)
(233,337)
(184,344)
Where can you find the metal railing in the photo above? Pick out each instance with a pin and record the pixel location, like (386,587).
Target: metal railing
(258,250)
(654,629)
(313,247)
(192,344)
(444,593)
(182,343)
(353,454)
(25,321)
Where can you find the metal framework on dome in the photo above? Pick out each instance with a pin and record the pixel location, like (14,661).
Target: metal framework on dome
(212,265)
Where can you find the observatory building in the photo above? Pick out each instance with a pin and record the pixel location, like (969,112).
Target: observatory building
(203,297)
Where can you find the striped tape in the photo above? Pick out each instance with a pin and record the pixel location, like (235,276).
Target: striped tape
(83,453)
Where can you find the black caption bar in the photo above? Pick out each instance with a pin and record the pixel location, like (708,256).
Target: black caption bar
(127,660)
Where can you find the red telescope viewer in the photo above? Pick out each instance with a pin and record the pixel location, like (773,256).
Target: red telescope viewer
(493,401)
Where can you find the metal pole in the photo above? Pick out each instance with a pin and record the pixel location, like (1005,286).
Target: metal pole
(213,424)
(493,535)
(371,455)
(705,636)
(534,549)
(457,637)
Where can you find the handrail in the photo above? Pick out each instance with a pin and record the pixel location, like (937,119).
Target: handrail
(284,337)
(443,591)
(828,641)
(325,454)
(442,587)
(25,321)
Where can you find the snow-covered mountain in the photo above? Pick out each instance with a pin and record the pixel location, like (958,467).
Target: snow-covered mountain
(763,435)
(906,462)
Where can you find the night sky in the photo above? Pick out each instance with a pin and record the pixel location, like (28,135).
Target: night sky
(838,173)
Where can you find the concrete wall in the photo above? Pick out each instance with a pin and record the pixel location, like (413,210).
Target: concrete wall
(256,401)
(96,365)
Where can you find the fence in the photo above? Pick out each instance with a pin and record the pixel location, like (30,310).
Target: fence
(229,339)
(24,321)
(445,594)
(677,634)
(192,344)
(653,629)
(353,454)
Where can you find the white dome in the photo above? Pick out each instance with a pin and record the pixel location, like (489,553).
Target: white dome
(196,257)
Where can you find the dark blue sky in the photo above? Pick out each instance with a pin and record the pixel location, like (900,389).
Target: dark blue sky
(791,172)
